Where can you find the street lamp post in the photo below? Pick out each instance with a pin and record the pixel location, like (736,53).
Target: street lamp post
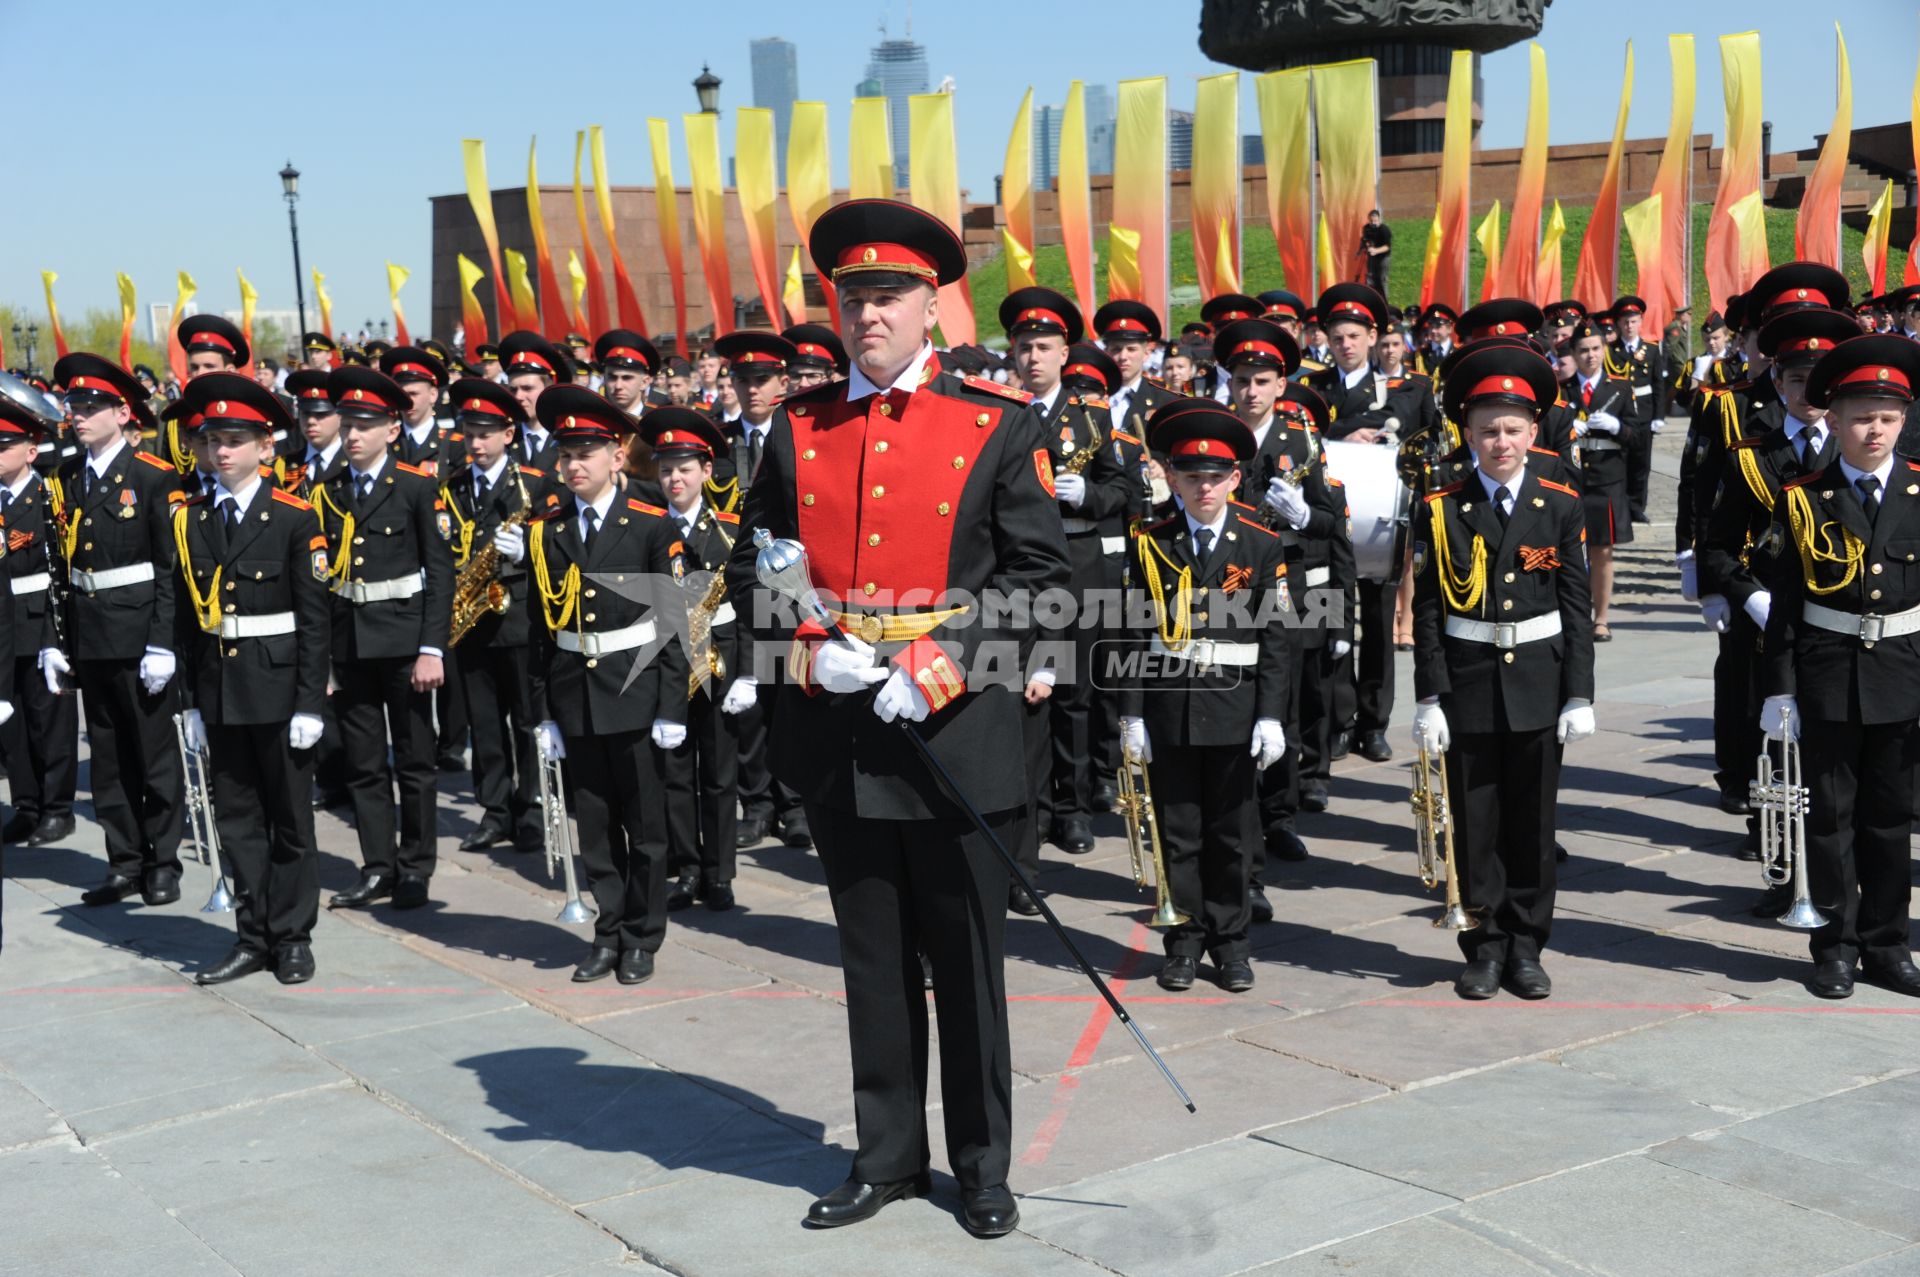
(26,339)
(290,186)
(707,88)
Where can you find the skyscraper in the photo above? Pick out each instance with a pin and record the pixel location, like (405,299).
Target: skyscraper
(900,67)
(1179,140)
(1100,125)
(1046,145)
(776,83)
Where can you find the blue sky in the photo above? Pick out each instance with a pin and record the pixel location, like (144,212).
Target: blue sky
(167,132)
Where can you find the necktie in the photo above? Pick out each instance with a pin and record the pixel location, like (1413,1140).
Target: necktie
(6,501)
(1500,507)
(480,490)
(1202,544)
(753,452)
(1586,395)
(230,510)
(365,481)
(592,533)
(1869,495)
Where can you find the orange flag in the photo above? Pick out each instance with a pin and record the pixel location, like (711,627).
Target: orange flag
(1816,228)
(480,198)
(631,315)
(1730,256)
(597,318)
(1456,177)
(1518,266)
(48,277)
(666,202)
(1596,280)
(473,320)
(1076,198)
(553,302)
(126,319)
(758,191)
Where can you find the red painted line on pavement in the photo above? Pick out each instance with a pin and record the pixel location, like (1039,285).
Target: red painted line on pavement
(1455,1004)
(1083,1052)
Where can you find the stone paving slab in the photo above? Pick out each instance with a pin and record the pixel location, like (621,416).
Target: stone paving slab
(1868,1134)
(1433,1246)
(56,1199)
(1731,1158)
(24,1117)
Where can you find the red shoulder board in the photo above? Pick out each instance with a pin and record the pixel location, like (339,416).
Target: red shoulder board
(204,496)
(1558,487)
(1331,481)
(1121,435)
(993,387)
(1239,504)
(155,462)
(724,517)
(1751,441)
(1795,483)
(527,469)
(1543,451)
(411,469)
(1607,376)
(553,511)
(287,498)
(1913,465)
(456,437)
(654,510)
(1259,527)
(1449,490)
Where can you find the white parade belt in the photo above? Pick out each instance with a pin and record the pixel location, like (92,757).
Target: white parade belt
(112,578)
(265,626)
(1868,629)
(1318,576)
(400,587)
(605,641)
(1113,545)
(31,584)
(1593,443)
(1075,523)
(1504,635)
(722,615)
(1205,653)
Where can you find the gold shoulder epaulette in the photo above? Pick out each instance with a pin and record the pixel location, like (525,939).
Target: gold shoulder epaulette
(1447,491)
(1122,435)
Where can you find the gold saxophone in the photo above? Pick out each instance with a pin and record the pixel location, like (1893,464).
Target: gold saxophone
(706,662)
(477,591)
(1078,461)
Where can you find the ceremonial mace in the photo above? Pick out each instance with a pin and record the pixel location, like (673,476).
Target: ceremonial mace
(781,566)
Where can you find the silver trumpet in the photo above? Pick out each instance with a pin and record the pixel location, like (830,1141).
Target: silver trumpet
(557,835)
(201,830)
(1781,800)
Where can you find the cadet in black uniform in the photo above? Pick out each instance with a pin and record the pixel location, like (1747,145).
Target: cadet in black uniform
(609,681)
(628,362)
(532,364)
(111,506)
(818,356)
(1503,656)
(1608,415)
(1645,365)
(392,575)
(908,478)
(1207,714)
(1842,657)
(255,633)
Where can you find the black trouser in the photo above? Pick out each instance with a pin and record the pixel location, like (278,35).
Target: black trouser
(702,789)
(371,699)
(1859,820)
(42,744)
(1736,705)
(330,755)
(1036,744)
(263,808)
(450,717)
(1373,656)
(619,804)
(762,797)
(1104,722)
(1070,714)
(499,703)
(1316,708)
(134,760)
(1639,467)
(900,887)
(1505,787)
(1278,787)
(1377,273)
(1201,794)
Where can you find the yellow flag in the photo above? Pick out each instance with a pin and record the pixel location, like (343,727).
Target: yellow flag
(869,151)
(473,320)
(577,281)
(326,304)
(1430,265)
(1019,261)
(1548,269)
(249,300)
(1487,236)
(1323,254)
(793,295)
(935,188)
(126,319)
(1016,195)
(1873,251)
(1644,230)
(1226,276)
(176,353)
(396,280)
(1749,217)
(522,287)
(1123,256)
(50,278)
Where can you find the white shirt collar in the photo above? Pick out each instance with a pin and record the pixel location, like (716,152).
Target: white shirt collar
(757,428)
(1854,476)
(104,462)
(19,486)
(420,432)
(692,516)
(858,387)
(1354,378)
(1492,485)
(1260,431)
(600,507)
(359,475)
(1132,387)
(326,454)
(535,433)
(241,500)
(1045,402)
(1816,430)
(1588,383)
(1194,525)
(491,475)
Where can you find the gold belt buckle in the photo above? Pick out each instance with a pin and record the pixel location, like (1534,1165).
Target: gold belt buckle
(869,627)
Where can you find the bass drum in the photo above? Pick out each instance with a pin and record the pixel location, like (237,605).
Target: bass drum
(1378,501)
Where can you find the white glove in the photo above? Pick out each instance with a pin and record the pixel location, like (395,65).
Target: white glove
(742,694)
(1134,742)
(1289,501)
(53,664)
(1605,422)
(1430,727)
(195,728)
(845,665)
(1269,741)
(1071,488)
(668,735)
(547,739)
(1689,575)
(511,540)
(156,668)
(901,697)
(1757,606)
(1341,647)
(6,712)
(1779,710)
(1716,613)
(1576,723)
(303,730)
(1579,430)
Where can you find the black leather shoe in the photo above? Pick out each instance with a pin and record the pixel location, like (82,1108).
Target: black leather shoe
(1900,977)
(1020,902)
(114,888)
(453,762)
(1257,901)
(794,832)
(237,963)
(1313,796)
(1559,854)
(1076,838)
(51,829)
(1105,795)
(1478,981)
(1236,976)
(636,967)
(1749,849)
(1340,746)
(1734,803)
(1285,844)
(371,887)
(162,887)
(684,891)
(1831,980)
(854,1201)
(410,892)
(752,832)
(598,964)
(328,799)
(989,1212)
(19,827)
(1528,979)
(1177,973)
(717,896)
(484,837)
(1774,900)
(1374,748)
(293,963)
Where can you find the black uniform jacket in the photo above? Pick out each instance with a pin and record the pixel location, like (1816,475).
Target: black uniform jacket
(1603,457)
(124,521)
(1372,403)
(28,555)
(274,564)
(1826,552)
(1238,596)
(705,551)
(1751,475)
(1720,417)
(401,530)
(900,499)
(1079,433)
(473,525)
(1465,564)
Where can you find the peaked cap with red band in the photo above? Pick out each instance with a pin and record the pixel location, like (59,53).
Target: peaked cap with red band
(1804,334)
(752,351)
(1090,368)
(676,431)
(412,363)
(816,346)
(83,373)
(1880,365)
(1352,303)
(1256,341)
(1565,311)
(1040,310)
(1440,310)
(625,348)
(308,386)
(1126,321)
(480,401)
(231,401)
(1278,303)
(575,414)
(1626,304)
(212,332)
(1797,284)
(1500,371)
(885,243)
(1300,400)
(1198,434)
(1501,317)
(1227,307)
(523,352)
(358,391)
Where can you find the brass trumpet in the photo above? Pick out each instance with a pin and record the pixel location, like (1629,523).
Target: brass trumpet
(1135,805)
(203,836)
(1433,839)
(1781,800)
(557,836)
